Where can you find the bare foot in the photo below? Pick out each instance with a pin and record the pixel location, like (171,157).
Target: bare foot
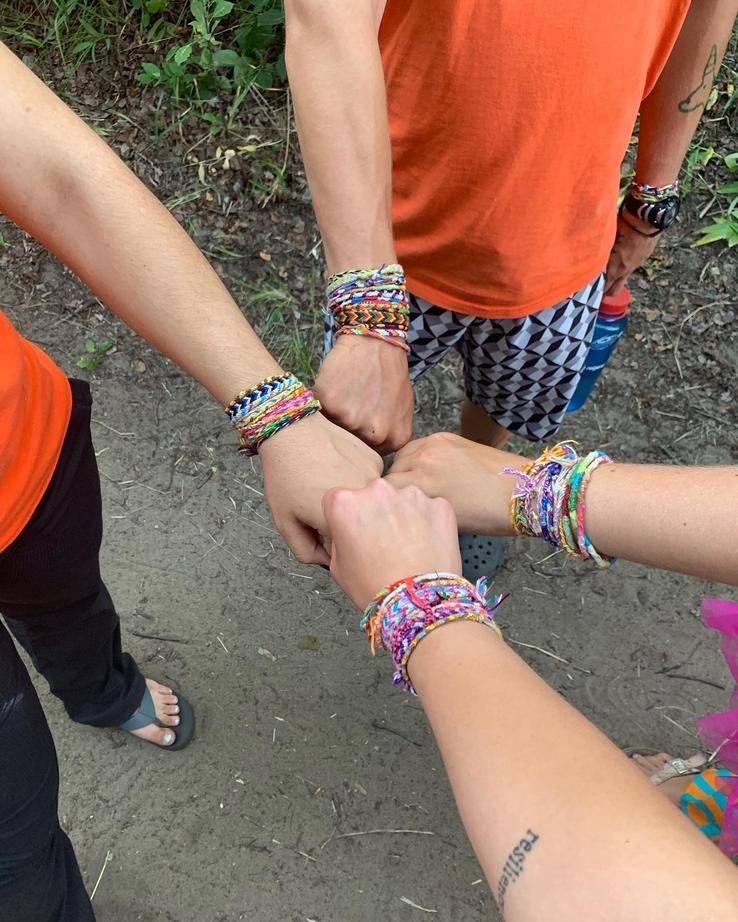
(167,710)
(672,788)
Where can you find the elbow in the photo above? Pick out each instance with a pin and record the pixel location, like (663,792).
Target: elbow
(309,26)
(309,16)
(312,24)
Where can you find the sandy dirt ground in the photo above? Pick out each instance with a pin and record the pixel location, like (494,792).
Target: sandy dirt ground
(314,790)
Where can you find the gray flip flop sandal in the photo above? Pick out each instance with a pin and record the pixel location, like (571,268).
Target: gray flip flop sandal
(481,555)
(678,767)
(145,715)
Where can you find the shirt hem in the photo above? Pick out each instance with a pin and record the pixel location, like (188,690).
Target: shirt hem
(15,533)
(442,298)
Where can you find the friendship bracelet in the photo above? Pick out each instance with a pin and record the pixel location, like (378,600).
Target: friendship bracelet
(266,409)
(401,615)
(648,193)
(370,302)
(549,500)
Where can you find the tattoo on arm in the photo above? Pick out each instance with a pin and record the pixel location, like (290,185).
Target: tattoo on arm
(514,866)
(697,99)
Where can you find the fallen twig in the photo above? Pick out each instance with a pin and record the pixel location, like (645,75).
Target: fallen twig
(163,637)
(404,899)
(108,859)
(377,832)
(560,659)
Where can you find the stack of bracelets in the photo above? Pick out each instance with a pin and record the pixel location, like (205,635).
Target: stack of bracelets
(269,407)
(370,302)
(549,499)
(399,617)
(654,205)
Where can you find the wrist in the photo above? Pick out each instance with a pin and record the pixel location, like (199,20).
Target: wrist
(367,348)
(400,617)
(291,438)
(550,497)
(501,490)
(650,209)
(370,303)
(273,405)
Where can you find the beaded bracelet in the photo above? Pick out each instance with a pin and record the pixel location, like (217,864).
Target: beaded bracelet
(549,500)
(272,405)
(370,302)
(401,615)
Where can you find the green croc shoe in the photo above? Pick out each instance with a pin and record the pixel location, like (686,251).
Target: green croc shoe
(481,555)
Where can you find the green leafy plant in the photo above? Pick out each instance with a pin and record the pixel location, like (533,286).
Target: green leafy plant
(203,54)
(95,351)
(228,47)
(725,226)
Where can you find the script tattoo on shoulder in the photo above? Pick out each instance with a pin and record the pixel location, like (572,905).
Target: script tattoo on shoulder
(514,867)
(697,99)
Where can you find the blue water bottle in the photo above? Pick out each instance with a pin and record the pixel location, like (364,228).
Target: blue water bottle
(610,325)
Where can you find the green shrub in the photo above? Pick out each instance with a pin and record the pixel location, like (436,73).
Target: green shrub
(199,52)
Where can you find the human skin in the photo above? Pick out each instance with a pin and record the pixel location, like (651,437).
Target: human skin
(592,841)
(61,183)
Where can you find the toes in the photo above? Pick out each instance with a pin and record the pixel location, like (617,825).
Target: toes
(159,735)
(648,764)
(168,699)
(166,737)
(171,710)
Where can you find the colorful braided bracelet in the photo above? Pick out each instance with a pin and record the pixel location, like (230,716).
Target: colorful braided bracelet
(272,405)
(549,500)
(370,302)
(645,192)
(401,615)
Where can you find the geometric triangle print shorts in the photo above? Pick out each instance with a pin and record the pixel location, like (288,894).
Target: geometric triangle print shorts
(523,371)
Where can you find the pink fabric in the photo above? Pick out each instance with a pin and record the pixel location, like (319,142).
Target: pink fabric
(720,731)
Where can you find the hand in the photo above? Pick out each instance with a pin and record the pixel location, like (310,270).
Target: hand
(382,534)
(300,463)
(364,387)
(467,474)
(630,251)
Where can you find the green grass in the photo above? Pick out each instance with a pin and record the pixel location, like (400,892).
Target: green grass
(292,332)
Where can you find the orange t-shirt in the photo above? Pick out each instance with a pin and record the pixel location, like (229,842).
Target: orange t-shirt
(509,121)
(35,403)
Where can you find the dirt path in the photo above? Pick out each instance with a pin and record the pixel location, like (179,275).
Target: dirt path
(314,790)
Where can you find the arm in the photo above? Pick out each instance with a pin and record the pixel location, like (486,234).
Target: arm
(672,110)
(669,118)
(563,825)
(61,183)
(681,519)
(337,84)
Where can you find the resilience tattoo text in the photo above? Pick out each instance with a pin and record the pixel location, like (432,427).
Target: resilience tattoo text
(515,865)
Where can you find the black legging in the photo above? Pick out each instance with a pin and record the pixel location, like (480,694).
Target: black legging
(56,605)
(39,876)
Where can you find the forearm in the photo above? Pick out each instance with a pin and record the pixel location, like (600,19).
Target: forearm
(61,183)
(526,767)
(682,519)
(338,89)
(671,112)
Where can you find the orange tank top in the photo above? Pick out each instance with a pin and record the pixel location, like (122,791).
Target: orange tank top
(35,403)
(509,121)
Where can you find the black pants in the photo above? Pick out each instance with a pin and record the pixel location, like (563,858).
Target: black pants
(57,607)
